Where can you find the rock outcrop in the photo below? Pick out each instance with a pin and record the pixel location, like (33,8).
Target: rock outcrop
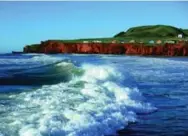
(50,46)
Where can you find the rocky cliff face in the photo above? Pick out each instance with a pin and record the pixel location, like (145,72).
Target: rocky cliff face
(180,49)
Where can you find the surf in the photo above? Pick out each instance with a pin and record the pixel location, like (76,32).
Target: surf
(94,101)
(52,72)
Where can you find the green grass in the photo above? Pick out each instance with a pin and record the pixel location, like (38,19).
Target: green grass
(140,33)
(145,40)
(152,31)
(33,47)
(185,31)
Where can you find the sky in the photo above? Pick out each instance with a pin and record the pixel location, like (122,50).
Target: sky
(23,23)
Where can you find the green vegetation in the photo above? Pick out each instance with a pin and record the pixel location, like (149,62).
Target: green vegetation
(142,34)
(33,47)
(152,31)
(104,40)
(139,34)
(185,31)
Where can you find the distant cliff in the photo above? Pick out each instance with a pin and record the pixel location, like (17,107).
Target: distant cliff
(161,40)
(50,46)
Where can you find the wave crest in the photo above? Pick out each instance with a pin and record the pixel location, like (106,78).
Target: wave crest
(93,103)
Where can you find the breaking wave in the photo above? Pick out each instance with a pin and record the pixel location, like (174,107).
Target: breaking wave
(93,102)
(38,70)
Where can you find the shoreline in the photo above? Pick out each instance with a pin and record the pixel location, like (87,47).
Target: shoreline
(85,54)
(55,47)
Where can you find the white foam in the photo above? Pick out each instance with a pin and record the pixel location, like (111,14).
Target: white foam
(91,105)
(94,73)
(44,59)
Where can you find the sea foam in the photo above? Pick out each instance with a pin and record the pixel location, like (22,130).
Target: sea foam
(93,103)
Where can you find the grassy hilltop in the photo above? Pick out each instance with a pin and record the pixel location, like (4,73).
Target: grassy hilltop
(142,33)
(185,31)
(158,31)
(139,34)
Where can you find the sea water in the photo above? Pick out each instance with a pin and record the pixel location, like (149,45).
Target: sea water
(92,95)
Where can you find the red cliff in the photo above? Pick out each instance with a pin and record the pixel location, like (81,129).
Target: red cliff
(179,49)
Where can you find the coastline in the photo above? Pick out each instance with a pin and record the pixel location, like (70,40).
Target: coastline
(157,50)
(85,54)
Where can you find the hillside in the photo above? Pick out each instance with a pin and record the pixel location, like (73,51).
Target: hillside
(153,31)
(185,31)
(135,41)
(139,34)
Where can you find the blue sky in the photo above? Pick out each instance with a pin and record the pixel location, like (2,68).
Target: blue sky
(24,23)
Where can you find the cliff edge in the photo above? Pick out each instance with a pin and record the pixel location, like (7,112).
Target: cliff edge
(142,40)
(51,47)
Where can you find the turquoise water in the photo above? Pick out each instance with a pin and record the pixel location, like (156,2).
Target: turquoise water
(92,95)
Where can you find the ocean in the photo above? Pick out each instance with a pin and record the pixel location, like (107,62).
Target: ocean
(93,95)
